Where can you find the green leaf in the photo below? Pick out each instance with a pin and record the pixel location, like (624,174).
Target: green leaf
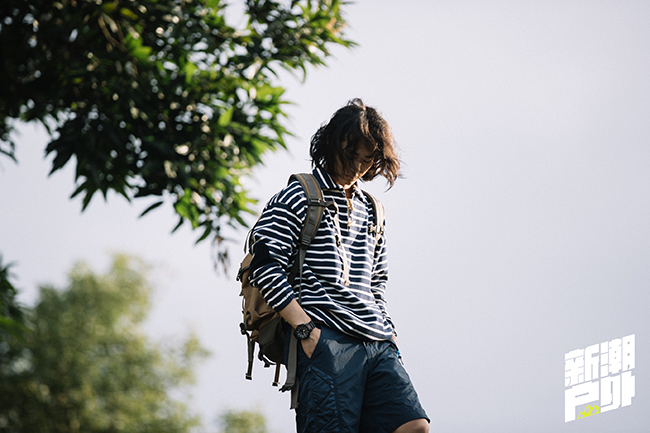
(226,117)
(137,49)
(189,70)
(108,7)
(206,233)
(150,208)
(180,223)
(86,199)
(128,14)
(79,189)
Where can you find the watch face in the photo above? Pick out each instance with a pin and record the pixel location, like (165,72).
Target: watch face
(303,331)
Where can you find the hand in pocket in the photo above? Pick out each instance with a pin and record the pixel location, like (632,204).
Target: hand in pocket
(309,344)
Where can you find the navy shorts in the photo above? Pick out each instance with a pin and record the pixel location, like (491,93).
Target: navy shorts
(351,385)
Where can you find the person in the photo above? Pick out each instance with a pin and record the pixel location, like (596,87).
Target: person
(350,374)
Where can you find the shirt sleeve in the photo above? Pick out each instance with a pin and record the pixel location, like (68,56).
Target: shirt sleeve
(275,238)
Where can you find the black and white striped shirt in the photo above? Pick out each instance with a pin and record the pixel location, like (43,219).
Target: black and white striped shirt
(343,286)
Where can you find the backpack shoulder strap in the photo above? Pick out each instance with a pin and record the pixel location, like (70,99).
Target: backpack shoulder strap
(315,205)
(378,211)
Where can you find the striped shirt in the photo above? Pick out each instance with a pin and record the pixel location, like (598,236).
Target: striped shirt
(343,283)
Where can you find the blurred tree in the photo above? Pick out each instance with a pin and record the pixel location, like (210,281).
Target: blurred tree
(11,314)
(159,98)
(85,365)
(243,422)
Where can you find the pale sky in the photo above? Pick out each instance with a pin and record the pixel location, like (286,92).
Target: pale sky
(519,232)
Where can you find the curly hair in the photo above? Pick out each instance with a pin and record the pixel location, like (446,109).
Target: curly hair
(352,126)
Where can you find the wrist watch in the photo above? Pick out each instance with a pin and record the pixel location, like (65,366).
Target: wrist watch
(302,331)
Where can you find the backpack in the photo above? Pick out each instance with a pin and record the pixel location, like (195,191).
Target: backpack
(261,324)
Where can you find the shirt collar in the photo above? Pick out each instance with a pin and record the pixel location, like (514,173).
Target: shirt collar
(326,182)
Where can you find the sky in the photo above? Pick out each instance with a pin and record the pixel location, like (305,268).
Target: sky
(519,232)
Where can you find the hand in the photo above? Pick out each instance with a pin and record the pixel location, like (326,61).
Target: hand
(309,344)
(394,338)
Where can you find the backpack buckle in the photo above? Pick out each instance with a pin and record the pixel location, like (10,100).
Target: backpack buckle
(378,230)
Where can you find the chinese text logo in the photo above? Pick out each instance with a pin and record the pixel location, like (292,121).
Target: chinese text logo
(599,373)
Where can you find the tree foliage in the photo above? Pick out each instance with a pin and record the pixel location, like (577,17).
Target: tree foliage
(159,98)
(245,421)
(11,313)
(85,366)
